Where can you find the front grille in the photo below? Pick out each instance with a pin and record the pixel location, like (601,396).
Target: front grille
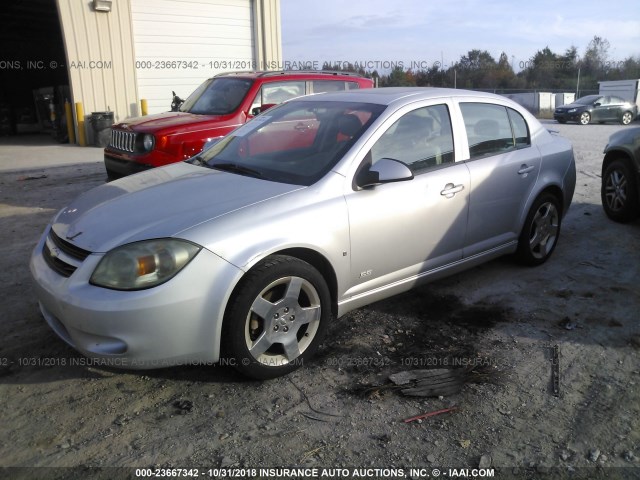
(52,255)
(68,248)
(56,264)
(125,141)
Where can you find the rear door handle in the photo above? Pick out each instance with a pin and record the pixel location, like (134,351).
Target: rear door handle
(525,169)
(450,190)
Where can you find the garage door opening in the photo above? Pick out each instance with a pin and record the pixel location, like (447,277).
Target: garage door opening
(33,74)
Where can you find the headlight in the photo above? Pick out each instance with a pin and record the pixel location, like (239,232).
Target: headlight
(143,264)
(148,142)
(573,110)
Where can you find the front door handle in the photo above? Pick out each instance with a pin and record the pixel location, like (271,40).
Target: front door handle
(450,190)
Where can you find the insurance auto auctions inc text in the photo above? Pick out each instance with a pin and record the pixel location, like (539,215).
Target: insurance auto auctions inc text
(292,473)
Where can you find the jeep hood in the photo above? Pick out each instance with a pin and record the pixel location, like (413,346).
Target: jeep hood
(159,203)
(168,121)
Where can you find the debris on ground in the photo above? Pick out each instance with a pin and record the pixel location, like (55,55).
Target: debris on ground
(32,177)
(430,383)
(430,414)
(183,406)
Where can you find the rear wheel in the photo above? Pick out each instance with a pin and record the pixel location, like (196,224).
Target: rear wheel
(585,118)
(619,192)
(627,118)
(541,230)
(277,318)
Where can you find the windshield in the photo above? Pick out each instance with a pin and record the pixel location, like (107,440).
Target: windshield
(296,142)
(217,96)
(588,100)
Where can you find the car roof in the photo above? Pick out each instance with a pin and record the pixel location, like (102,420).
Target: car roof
(389,95)
(312,74)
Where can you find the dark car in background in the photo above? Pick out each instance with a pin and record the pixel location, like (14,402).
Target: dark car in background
(597,108)
(621,176)
(215,108)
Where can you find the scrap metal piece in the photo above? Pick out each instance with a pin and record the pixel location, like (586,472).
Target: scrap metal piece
(430,383)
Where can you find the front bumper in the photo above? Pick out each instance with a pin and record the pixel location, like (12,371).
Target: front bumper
(566,117)
(176,323)
(122,167)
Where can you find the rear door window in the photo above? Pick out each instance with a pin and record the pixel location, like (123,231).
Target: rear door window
(489,129)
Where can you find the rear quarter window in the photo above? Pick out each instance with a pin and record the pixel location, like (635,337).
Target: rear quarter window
(520,129)
(320,86)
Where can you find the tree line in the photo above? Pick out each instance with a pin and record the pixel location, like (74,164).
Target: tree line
(547,70)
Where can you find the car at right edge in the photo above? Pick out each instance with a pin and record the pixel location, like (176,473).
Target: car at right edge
(621,176)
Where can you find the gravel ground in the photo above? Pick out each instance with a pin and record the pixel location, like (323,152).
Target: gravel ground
(503,321)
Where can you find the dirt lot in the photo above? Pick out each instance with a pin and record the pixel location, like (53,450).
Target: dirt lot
(60,411)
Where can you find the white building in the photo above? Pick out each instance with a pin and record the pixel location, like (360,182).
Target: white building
(114,53)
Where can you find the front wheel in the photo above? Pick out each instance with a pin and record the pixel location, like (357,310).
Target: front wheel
(619,192)
(627,118)
(277,318)
(541,230)
(585,118)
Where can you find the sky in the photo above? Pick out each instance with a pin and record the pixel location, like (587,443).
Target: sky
(421,33)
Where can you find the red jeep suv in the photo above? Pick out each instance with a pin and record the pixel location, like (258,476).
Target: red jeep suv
(216,107)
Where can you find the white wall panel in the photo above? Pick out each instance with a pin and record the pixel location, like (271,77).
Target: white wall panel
(100,57)
(180,43)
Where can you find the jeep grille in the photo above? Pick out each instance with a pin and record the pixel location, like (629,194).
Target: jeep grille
(125,141)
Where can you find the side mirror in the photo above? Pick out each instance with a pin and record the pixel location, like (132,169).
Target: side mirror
(258,110)
(597,104)
(385,170)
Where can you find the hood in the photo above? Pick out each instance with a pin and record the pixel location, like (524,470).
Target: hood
(152,123)
(159,203)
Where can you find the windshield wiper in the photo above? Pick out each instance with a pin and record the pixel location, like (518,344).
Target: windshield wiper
(235,168)
(198,161)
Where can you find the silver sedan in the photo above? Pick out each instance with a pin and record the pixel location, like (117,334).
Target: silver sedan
(314,208)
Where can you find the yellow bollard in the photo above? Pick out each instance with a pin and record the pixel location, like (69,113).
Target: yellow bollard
(143,106)
(82,140)
(69,115)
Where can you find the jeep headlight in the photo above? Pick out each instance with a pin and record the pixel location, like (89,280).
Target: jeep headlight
(148,142)
(143,264)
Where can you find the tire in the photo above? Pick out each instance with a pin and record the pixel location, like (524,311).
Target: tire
(619,192)
(627,118)
(585,118)
(541,230)
(277,319)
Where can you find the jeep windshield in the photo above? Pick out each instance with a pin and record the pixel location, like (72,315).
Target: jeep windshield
(217,96)
(297,142)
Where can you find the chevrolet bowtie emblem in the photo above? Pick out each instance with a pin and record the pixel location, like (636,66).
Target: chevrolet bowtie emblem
(74,236)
